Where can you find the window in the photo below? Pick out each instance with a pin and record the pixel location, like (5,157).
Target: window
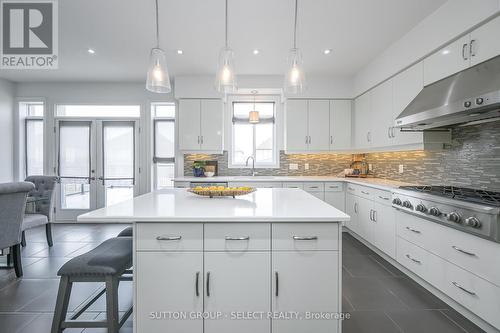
(33,137)
(257,140)
(164,144)
(99,111)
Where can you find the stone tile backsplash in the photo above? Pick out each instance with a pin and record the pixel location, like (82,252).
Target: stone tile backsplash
(473,160)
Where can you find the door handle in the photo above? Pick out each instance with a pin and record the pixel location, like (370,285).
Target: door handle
(276,276)
(464,56)
(374,216)
(371,215)
(471,48)
(208,284)
(356,207)
(197,284)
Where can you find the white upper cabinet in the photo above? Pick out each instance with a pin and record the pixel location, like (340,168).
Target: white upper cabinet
(407,85)
(382,113)
(362,121)
(340,124)
(449,60)
(296,125)
(200,125)
(485,42)
(319,125)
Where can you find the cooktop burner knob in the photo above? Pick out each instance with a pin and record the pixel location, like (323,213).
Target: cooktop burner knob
(407,204)
(454,217)
(397,201)
(473,222)
(421,208)
(434,211)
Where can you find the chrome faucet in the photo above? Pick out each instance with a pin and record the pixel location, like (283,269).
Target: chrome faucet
(253,164)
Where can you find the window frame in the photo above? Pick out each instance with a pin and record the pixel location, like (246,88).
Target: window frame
(27,119)
(275,164)
(157,160)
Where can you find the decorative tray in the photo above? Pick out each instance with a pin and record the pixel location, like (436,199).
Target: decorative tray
(219,191)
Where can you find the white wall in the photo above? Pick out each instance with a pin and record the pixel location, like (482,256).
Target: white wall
(7,92)
(96,93)
(448,22)
(317,86)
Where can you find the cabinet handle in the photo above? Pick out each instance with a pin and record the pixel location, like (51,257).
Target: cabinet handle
(208,284)
(464,56)
(242,238)
(310,139)
(471,48)
(350,188)
(383,198)
(374,216)
(413,230)
(276,277)
(389,132)
(393,132)
(202,139)
(305,238)
(198,139)
(462,288)
(365,192)
(307,141)
(371,219)
(356,207)
(313,187)
(333,187)
(368,136)
(331,139)
(463,251)
(413,259)
(197,284)
(168,238)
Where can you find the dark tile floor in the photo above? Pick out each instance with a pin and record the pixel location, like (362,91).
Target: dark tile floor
(378,296)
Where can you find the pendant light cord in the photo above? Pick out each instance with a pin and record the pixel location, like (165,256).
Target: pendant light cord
(157,27)
(226,24)
(295,26)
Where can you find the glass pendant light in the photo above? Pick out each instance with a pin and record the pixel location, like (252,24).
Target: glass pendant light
(253,116)
(294,77)
(158,80)
(225,80)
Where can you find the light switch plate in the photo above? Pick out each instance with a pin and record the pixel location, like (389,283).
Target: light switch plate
(293,166)
(306,166)
(401,168)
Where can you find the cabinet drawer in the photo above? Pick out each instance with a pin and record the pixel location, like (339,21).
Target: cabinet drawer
(362,191)
(169,237)
(381,196)
(257,184)
(334,187)
(293,185)
(470,252)
(237,237)
(305,236)
(182,184)
(314,187)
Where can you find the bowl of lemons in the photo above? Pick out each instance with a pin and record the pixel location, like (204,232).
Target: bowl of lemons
(221,191)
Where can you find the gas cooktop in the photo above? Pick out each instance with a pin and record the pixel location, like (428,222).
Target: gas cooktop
(482,197)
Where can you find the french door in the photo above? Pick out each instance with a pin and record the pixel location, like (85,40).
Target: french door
(96,163)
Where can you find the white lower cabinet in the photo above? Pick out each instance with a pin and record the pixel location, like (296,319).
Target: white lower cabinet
(303,284)
(336,199)
(166,284)
(351,209)
(383,229)
(237,283)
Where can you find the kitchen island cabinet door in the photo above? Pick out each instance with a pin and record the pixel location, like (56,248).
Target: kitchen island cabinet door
(237,283)
(305,282)
(166,284)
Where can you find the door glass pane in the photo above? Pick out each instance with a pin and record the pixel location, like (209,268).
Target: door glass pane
(164,139)
(165,173)
(34,147)
(118,161)
(243,142)
(75,194)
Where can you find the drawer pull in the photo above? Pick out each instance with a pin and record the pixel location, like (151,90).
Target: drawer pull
(413,259)
(313,187)
(305,238)
(333,187)
(414,230)
(197,284)
(168,238)
(383,198)
(242,238)
(462,288)
(463,251)
(365,192)
(350,188)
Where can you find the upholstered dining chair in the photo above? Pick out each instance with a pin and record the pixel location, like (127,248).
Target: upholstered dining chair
(42,202)
(12,206)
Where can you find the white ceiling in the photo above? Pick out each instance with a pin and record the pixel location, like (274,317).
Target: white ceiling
(122,33)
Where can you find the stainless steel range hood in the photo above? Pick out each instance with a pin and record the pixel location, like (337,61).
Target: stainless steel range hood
(470,95)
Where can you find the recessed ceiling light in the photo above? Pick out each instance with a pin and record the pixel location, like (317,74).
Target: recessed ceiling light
(327,51)
(256,51)
(91,51)
(180,51)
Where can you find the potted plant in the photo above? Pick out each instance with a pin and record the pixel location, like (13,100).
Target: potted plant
(199,168)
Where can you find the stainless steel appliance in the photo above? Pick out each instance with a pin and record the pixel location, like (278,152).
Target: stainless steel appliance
(468,96)
(473,211)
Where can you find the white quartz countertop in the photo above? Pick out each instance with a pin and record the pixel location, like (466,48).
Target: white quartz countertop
(383,184)
(178,205)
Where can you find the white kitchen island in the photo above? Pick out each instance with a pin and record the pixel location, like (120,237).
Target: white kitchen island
(265,262)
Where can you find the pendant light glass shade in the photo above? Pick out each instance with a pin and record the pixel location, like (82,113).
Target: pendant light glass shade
(158,80)
(225,80)
(253,117)
(294,77)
